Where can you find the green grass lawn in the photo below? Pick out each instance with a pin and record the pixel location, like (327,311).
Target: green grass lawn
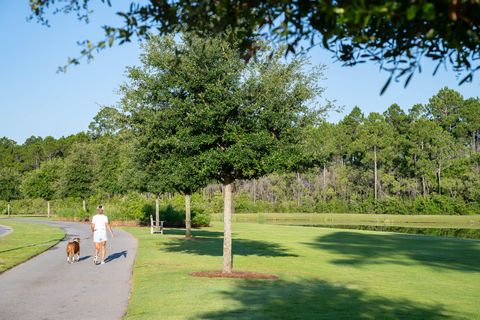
(26,241)
(324,274)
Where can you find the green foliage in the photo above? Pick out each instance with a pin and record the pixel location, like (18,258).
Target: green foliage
(76,179)
(394,34)
(212,116)
(133,207)
(428,162)
(42,182)
(9,184)
(107,122)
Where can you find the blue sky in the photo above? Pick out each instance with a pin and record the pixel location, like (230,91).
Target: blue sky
(35,100)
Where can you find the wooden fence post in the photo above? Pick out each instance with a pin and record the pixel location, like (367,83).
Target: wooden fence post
(157,213)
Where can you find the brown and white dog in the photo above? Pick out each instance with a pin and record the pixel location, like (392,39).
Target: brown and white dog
(73,250)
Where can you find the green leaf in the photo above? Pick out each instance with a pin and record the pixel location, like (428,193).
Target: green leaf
(412,12)
(429,11)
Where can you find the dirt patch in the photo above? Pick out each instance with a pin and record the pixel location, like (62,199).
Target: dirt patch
(234,274)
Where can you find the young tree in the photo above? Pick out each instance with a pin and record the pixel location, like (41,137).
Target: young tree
(77,176)
(470,115)
(317,148)
(107,122)
(226,119)
(431,150)
(107,151)
(349,129)
(9,153)
(9,185)
(444,108)
(42,182)
(375,137)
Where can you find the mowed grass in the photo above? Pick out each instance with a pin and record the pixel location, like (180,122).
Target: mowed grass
(26,241)
(324,274)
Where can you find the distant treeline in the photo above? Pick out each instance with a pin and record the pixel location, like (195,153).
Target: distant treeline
(424,161)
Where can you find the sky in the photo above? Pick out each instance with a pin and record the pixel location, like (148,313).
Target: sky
(37,101)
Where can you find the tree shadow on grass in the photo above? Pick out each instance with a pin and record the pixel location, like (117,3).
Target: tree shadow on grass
(316,299)
(195,232)
(213,246)
(43,243)
(363,248)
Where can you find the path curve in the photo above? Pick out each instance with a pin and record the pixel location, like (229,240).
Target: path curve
(4,230)
(47,287)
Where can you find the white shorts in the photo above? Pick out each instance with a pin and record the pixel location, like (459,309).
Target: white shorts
(100,235)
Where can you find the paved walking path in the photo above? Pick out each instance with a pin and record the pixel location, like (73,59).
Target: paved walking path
(47,287)
(4,230)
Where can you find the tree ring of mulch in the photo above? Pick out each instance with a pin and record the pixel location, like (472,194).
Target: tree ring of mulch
(234,274)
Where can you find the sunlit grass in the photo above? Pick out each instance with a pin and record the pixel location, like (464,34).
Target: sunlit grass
(324,274)
(26,240)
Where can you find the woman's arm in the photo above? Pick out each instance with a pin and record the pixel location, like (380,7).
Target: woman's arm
(109,227)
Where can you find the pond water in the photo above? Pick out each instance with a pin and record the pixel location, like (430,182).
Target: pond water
(463,233)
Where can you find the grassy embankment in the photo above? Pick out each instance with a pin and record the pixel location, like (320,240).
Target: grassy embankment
(324,273)
(26,241)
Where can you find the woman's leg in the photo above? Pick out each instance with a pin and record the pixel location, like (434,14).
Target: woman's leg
(104,250)
(97,248)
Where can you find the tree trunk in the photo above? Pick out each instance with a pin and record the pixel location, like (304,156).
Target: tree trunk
(299,191)
(474,142)
(48,209)
(375,172)
(227,229)
(8,208)
(324,186)
(157,213)
(188,217)
(439,179)
(254,192)
(477,145)
(424,186)
(84,203)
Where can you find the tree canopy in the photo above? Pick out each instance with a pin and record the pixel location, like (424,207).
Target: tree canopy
(395,34)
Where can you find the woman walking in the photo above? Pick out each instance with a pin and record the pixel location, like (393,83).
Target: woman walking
(99,231)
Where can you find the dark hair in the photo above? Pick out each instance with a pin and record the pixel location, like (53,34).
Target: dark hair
(100,207)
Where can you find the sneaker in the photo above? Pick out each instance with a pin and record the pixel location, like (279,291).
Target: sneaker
(103,262)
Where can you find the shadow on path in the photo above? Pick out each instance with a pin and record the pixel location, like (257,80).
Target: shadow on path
(362,248)
(84,258)
(316,299)
(117,255)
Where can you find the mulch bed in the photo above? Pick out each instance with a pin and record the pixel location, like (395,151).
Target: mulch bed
(234,274)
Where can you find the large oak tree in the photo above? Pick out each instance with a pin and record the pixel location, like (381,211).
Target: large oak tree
(200,112)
